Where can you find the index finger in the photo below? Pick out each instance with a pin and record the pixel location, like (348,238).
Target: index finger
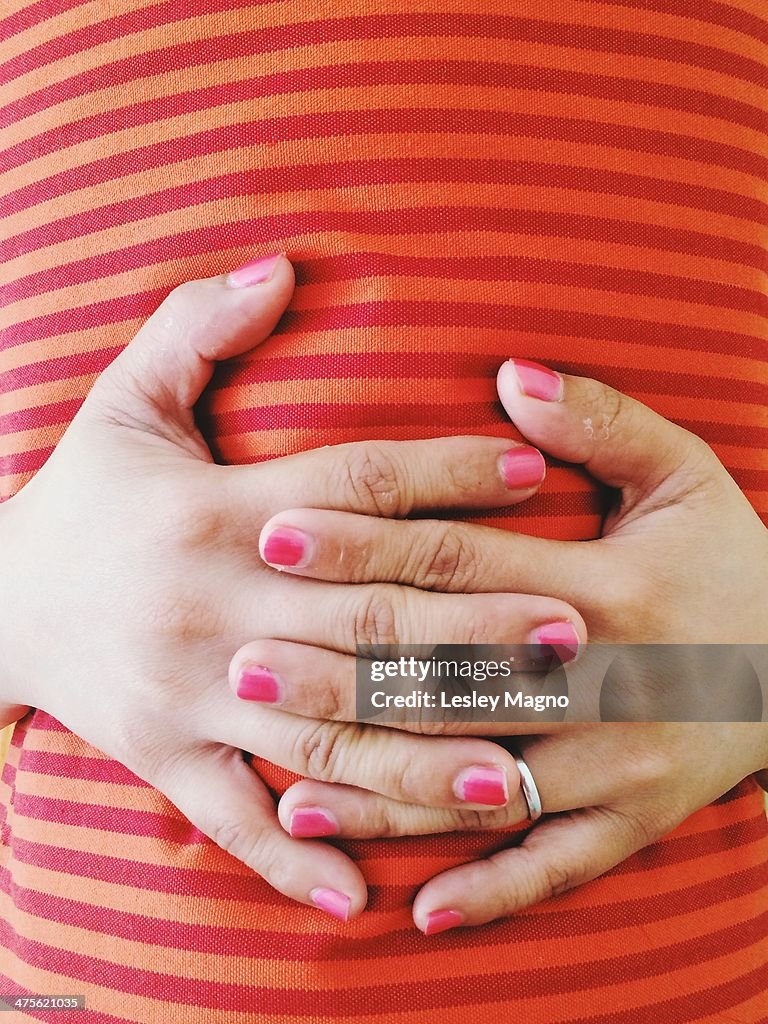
(394,478)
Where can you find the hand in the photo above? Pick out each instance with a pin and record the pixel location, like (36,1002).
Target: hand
(658,575)
(131,575)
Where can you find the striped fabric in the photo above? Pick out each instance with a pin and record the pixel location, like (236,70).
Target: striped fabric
(574,182)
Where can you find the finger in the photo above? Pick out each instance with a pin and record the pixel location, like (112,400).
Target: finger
(556,855)
(223,797)
(619,441)
(375,615)
(314,810)
(430,554)
(393,478)
(163,371)
(317,683)
(435,771)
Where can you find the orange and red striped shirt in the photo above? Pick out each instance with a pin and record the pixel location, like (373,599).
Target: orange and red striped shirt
(577,182)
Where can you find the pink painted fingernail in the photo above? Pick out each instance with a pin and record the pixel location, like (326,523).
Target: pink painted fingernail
(288,547)
(561,636)
(522,467)
(257,271)
(442,920)
(538,381)
(257,683)
(312,822)
(482,785)
(335,903)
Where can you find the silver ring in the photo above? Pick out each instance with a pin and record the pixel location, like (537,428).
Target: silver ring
(529,788)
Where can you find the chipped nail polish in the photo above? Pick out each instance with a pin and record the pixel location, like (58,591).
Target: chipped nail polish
(537,381)
(257,683)
(522,467)
(257,271)
(561,636)
(312,822)
(333,902)
(442,920)
(287,547)
(482,785)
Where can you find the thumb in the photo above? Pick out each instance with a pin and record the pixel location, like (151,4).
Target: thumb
(620,441)
(225,799)
(161,374)
(557,855)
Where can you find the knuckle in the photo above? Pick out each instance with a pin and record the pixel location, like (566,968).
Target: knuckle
(321,748)
(613,406)
(557,878)
(373,481)
(651,767)
(189,522)
(375,616)
(176,618)
(701,464)
(327,701)
(626,597)
(602,409)
(482,630)
(251,848)
(468,819)
(447,561)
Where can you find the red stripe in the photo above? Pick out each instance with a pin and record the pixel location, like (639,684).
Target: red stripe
(728,433)
(39,416)
(703,11)
(679,1009)
(24,462)
(90,1016)
(752,480)
(407,121)
(467,416)
(347,174)
(387,365)
(174,879)
(34,14)
(418,366)
(264,230)
(457,991)
(463,73)
(82,39)
(176,829)
(510,319)
(79,41)
(259,42)
(112,819)
(91,769)
(520,319)
(198,938)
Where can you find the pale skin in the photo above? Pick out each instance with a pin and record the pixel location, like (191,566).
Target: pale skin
(133,573)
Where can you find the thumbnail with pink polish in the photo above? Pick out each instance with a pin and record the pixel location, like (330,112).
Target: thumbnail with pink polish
(312,822)
(288,547)
(537,381)
(333,902)
(442,920)
(480,785)
(561,636)
(258,683)
(522,467)
(257,271)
